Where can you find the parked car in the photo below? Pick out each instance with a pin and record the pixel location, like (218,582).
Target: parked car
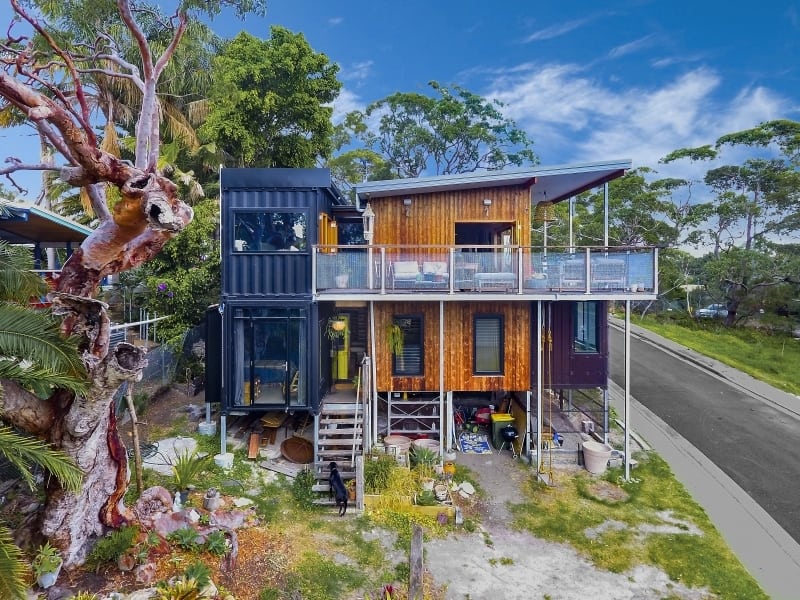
(712,311)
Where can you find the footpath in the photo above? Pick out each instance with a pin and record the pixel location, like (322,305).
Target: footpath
(763,546)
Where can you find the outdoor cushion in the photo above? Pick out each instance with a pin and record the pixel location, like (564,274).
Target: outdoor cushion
(405,269)
(434,268)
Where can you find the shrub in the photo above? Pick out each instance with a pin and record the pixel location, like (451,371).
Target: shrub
(377,473)
(302,488)
(198,572)
(187,468)
(216,543)
(185,538)
(109,548)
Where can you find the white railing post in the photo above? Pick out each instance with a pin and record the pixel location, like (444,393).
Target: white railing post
(588,270)
(383,270)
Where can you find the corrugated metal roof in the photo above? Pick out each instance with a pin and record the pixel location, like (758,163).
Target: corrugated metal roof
(25,223)
(280,178)
(553,183)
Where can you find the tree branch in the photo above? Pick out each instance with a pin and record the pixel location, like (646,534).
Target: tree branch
(25,410)
(83,118)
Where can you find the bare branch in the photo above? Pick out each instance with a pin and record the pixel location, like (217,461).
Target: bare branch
(17,165)
(97,194)
(84,116)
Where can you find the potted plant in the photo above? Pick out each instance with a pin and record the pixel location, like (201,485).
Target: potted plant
(186,469)
(342,278)
(424,460)
(47,565)
(336,328)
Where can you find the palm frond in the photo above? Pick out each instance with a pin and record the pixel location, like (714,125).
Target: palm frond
(25,452)
(35,336)
(17,282)
(40,381)
(14,571)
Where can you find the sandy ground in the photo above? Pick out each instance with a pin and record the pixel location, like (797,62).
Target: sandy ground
(520,566)
(515,565)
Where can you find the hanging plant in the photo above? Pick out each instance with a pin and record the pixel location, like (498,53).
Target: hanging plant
(394,334)
(335,328)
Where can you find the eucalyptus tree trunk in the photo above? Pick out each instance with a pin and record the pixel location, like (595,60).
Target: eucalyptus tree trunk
(146,214)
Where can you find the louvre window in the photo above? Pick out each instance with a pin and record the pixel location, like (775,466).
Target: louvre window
(488,345)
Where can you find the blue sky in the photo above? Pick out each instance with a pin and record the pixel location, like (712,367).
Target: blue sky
(587,80)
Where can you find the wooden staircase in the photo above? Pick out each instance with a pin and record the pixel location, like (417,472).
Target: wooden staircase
(339,440)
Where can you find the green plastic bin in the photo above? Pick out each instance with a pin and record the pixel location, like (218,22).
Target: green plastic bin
(499,420)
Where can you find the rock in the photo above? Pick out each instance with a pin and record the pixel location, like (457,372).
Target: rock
(241,502)
(58,592)
(153,502)
(145,573)
(209,591)
(145,594)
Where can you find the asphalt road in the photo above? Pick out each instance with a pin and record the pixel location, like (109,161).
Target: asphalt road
(754,440)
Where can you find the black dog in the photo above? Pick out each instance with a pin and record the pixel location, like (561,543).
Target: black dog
(336,489)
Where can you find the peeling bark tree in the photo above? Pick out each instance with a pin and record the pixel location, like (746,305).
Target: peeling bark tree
(148,214)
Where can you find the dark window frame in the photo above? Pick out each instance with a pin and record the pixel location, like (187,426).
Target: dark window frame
(500,320)
(589,342)
(265,211)
(397,320)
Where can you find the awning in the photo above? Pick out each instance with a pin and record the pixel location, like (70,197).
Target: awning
(23,223)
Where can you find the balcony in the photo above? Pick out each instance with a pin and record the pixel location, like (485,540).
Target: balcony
(437,271)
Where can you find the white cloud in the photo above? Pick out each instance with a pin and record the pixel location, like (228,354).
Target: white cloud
(573,117)
(555,31)
(345,103)
(631,47)
(335,21)
(356,71)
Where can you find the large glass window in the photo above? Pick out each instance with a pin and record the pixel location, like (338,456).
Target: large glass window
(410,360)
(270,231)
(584,333)
(269,357)
(488,344)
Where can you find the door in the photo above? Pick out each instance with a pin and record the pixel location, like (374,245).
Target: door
(270,353)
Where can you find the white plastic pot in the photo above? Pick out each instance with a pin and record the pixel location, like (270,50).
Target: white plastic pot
(595,456)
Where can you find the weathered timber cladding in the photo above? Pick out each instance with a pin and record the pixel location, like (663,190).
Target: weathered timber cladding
(458,346)
(432,217)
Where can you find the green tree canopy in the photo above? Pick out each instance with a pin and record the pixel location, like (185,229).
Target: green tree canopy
(270,101)
(458,132)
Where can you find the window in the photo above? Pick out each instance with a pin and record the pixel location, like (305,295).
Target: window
(270,232)
(488,344)
(410,360)
(584,332)
(269,357)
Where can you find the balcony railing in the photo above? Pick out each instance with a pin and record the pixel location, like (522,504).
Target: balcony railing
(477,269)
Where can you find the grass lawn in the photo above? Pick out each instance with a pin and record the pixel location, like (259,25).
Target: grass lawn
(771,358)
(649,520)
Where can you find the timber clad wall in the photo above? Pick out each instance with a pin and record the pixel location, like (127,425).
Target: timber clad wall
(458,346)
(432,217)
